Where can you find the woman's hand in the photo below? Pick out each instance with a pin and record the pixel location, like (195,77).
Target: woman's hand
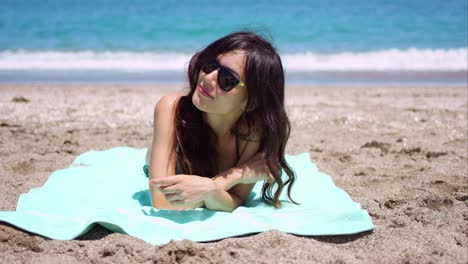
(248,172)
(256,170)
(184,189)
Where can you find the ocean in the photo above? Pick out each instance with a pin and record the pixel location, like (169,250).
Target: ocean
(320,42)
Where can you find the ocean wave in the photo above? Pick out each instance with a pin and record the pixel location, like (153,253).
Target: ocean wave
(90,60)
(385,60)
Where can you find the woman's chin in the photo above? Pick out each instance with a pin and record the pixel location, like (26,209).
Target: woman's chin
(197,102)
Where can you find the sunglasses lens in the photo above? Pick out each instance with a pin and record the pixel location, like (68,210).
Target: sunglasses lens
(227,80)
(210,66)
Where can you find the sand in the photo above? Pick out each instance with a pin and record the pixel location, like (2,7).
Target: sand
(399,151)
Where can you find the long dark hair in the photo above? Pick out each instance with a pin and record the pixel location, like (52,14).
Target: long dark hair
(265,113)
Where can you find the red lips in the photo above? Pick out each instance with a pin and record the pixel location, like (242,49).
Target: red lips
(203,91)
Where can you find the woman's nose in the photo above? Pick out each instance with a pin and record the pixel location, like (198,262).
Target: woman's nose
(212,78)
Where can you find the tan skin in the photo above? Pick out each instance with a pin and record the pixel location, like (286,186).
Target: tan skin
(221,110)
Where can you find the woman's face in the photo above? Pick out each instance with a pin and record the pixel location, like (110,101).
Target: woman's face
(209,97)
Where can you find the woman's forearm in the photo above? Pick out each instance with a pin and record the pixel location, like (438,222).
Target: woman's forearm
(159,201)
(229,178)
(220,200)
(225,192)
(249,172)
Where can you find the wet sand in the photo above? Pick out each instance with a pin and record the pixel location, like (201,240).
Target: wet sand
(399,151)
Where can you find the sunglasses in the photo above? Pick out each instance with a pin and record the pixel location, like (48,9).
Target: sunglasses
(227,80)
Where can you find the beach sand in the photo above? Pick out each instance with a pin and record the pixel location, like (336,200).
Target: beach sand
(401,152)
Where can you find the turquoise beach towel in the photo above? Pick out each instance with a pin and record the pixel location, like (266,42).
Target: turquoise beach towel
(109,188)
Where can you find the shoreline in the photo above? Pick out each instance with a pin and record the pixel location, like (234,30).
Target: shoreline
(398,151)
(305,78)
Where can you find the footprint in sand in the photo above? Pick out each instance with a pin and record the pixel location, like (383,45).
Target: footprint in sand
(431,155)
(397,224)
(436,203)
(384,147)
(410,151)
(456,191)
(23,167)
(4,124)
(360,173)
(19,99)
(392,204)
(70,143)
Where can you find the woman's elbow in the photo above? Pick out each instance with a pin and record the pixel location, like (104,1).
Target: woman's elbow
(155,203)
(163,205)
(222,209)
(158,201)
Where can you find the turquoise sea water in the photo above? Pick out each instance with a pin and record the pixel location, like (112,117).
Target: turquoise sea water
(153,40)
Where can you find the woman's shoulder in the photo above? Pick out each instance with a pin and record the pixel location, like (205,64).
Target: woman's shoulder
(167,102)
(165,109)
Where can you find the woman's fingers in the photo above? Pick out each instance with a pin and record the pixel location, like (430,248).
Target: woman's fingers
(153,182)
(178,203)
(173,197)
(166,180)
(163,182)
(165,188)
(170,189)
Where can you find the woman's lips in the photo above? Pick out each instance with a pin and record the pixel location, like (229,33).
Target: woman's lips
(202,91)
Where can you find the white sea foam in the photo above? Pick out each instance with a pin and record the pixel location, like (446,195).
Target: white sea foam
(393,59)
(90,60)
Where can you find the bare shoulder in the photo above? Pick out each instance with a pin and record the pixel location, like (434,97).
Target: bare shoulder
(166,104)
(164,111)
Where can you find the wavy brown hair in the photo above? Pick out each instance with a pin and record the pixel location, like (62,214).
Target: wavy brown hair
(265,114)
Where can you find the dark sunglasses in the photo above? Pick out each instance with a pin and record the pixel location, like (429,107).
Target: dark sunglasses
(226,78)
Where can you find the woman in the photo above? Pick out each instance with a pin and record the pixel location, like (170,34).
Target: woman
(226,133)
